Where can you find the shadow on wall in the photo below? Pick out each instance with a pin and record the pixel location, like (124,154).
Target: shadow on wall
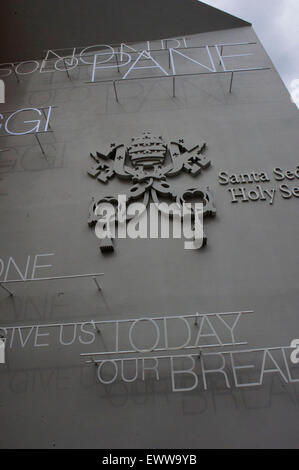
(27,29)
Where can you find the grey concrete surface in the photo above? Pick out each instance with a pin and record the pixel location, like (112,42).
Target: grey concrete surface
(28,27)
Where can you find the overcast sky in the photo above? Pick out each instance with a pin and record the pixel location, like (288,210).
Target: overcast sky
(276,23)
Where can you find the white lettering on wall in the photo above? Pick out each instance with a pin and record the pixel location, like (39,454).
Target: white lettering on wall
(21,269)
(37,122)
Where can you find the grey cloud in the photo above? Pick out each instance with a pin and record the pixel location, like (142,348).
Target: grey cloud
(276,24)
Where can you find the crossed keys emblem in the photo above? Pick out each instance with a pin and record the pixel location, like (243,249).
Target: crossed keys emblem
(147,162)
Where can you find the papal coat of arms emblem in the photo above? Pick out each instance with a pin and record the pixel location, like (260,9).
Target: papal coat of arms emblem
(148,161)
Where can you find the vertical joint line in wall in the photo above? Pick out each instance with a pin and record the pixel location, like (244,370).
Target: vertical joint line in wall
(67,72)
(231,82)
(41,147)
(117,60)
(14,71)
(221,53)
(6,288)
(97,283)
(115,91)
